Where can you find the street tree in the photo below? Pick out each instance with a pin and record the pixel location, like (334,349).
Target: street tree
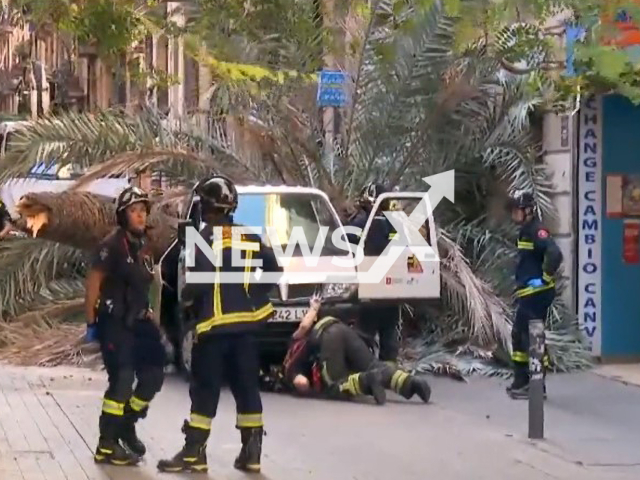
(419,105)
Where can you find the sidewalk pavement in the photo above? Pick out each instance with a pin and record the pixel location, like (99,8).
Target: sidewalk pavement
(48,430)
(625,373)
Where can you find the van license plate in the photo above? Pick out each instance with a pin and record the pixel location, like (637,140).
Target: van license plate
(289,314)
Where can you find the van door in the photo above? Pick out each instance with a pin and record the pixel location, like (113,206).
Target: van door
(415,273)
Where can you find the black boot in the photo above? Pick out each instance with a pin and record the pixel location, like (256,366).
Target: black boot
(407,386)
(519,389)
(370,383)
(420,386)
(520,380)
(109,450)
(128,435)
(248,460)
(193,456)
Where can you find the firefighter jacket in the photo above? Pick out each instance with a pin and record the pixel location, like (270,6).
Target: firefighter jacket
(230,307)
(128,267)
(379,235)
(539,257)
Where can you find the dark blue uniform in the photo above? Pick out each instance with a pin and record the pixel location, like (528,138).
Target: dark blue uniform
(130,342)
(228,316)
(378,319)
(538,258)
(339,363)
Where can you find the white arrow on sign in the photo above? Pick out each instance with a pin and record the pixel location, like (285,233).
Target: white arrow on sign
(442,185)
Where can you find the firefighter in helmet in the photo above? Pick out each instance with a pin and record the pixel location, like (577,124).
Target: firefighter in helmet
(329,357)
(118,282)
(381,320)
(228,315)
(539,259)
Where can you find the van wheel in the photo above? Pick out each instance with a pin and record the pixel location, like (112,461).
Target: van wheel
(186,347)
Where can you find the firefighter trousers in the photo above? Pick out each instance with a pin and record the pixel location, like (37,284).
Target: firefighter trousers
(382,320)
(530,307)
(130,356)
(239,353)
(347,365)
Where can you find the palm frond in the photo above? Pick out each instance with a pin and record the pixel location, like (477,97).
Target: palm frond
(471,298)
(29,266)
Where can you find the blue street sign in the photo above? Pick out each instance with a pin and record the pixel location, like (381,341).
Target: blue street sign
(332,86)
(573,34)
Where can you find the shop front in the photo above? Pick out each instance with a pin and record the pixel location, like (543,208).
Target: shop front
(608,227)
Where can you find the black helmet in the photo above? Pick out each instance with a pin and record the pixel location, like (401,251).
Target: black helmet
(217,192)
(129,196)
(372,190)
(522,200)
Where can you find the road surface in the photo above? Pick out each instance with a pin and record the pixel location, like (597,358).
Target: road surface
(49,417)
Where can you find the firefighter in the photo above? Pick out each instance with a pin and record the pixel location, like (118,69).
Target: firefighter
(539,258)
(228,316)
(377,319)
(330,357)
(130,341)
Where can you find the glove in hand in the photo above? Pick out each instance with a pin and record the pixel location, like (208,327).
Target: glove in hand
(92,333)
(535,282)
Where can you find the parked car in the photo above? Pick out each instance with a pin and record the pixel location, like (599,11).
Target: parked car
(285,207)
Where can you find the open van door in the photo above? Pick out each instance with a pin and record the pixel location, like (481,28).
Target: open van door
(415,274)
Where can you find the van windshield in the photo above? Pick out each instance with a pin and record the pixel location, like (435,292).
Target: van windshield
(284,212)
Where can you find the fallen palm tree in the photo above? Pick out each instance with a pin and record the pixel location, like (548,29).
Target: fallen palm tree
(419,107)
(39,338)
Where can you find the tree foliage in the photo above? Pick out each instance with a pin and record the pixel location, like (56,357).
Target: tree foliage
(602,64)
(112,26)
(420,105)
(283,34)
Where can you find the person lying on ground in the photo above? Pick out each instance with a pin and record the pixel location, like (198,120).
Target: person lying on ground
(329,357)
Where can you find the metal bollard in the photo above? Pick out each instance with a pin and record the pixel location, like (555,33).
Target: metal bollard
(536,379)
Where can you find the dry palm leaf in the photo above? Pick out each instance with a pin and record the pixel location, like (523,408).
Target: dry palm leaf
(35,340)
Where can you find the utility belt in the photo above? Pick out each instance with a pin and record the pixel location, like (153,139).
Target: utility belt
(129,317)
(526,291)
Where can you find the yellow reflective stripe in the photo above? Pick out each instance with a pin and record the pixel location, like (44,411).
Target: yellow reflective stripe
(217,298)
(112,407)
(547,278)
(229,318)
(524,292)
(247,270)
(321,324)
(325,374)
(398,379)
(239,245)
(351,384)
(137,404)
(249,420)
(200,421)
(520,357)
(393,235)
(524,245)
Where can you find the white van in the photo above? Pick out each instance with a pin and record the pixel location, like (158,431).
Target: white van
(283,207)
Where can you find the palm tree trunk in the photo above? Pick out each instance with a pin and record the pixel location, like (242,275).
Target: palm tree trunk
(83,219)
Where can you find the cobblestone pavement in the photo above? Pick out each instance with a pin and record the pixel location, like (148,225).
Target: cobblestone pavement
(48,431)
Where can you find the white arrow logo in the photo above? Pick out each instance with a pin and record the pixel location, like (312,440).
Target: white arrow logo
(442,185)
